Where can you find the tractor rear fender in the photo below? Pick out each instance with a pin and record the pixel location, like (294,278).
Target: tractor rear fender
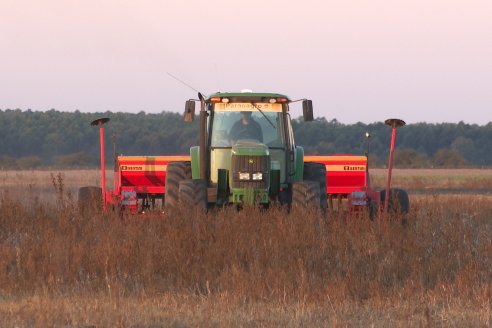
(195,162)
(298,169)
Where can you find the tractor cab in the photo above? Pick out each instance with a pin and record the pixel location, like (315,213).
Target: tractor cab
(250,155)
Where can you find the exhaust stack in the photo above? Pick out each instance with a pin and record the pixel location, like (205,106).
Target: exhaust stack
(100,122)
(394,123)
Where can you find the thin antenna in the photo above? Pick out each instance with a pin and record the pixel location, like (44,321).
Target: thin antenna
(179,80)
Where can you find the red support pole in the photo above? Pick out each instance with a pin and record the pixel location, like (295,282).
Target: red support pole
(390,168)
(103,168)
(394,123)
(100,122)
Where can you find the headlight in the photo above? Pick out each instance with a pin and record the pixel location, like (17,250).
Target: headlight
(244,176)
(258,176)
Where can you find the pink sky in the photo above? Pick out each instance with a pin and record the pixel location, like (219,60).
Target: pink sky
(422,61)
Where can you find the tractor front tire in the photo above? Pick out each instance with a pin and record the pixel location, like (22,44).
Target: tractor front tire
(317,172)
(398,201)
(175,173)
(305,196)
(193,193)
(89,199)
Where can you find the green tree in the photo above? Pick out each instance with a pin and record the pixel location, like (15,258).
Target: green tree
(448,158)
(75,160)
(29,162)
(410,158)
(7,163)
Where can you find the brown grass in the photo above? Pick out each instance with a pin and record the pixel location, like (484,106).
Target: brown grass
(39,181)
(59,267)
(431,179)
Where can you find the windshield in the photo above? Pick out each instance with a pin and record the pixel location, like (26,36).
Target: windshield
(243,121)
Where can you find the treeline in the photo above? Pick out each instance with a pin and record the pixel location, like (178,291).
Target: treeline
(446,145)
(30,139)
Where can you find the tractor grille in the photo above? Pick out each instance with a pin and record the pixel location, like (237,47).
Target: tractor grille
(251,165)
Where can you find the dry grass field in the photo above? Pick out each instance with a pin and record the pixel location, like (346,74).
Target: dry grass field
(60,267)
(441,180)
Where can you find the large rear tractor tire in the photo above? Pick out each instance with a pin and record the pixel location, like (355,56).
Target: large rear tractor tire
(399,203)
(317,172)
(193,194)
(305,196)
(89,199)
(175,173)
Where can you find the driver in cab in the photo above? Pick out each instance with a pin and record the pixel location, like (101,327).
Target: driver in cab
(246,128)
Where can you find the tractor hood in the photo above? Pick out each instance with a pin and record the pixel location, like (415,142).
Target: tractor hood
(249,148)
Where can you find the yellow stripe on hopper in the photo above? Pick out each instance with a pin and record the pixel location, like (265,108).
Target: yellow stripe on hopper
(346,168)
(140,168)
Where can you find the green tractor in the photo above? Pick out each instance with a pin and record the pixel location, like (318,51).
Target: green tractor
(246,155)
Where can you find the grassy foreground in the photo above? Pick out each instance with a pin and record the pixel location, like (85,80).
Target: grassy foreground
(61,267)
(40,181)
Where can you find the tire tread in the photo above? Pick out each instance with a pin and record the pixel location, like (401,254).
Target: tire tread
(175,173)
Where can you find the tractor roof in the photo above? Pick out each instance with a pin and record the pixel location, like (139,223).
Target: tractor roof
(249,97)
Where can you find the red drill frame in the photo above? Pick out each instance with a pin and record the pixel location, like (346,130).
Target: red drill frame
(139,181)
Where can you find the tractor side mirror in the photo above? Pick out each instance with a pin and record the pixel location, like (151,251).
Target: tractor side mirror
(189,114)
(307,110)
